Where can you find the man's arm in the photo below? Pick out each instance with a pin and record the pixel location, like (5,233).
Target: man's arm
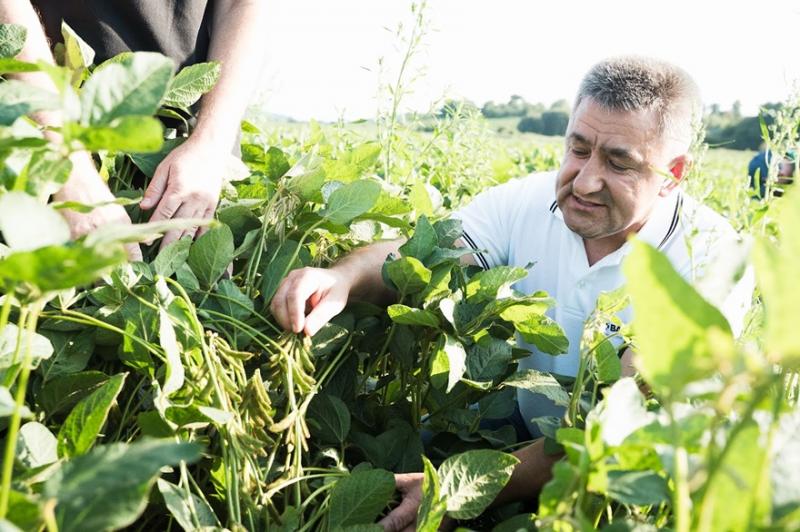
(84,184)
(326,291)
(188,181)
(527,480)
(309,297)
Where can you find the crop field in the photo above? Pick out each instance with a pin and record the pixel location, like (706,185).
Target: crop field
(162,394)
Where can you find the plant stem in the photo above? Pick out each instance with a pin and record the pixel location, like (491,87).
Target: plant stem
(30,319)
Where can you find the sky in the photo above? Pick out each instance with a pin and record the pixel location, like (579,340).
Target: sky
(322,58)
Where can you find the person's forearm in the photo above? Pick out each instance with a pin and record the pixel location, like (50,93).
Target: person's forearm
(237,42)
(530,475)
(363,268)
(36,49)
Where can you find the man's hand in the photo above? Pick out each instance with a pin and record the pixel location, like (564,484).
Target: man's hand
(186,184)
(322,292)
(86,186)
(404,517)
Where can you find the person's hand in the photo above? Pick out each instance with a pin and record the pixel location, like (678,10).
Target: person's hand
(186,184)
(404,517)
(87,187)
(323,292)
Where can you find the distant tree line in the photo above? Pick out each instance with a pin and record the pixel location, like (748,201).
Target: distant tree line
(729,129)
(724,128)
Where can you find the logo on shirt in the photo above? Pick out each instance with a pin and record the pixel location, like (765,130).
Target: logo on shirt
(611,328)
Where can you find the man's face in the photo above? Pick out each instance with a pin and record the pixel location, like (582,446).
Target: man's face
(608,182)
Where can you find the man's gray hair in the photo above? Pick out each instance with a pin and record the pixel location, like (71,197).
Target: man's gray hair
(632,83)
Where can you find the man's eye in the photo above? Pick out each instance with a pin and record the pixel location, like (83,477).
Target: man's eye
(617,167)
(580,152)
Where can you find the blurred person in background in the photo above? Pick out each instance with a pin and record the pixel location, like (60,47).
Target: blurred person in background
(758,171)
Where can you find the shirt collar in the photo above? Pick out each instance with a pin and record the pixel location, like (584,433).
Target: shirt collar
(657,231)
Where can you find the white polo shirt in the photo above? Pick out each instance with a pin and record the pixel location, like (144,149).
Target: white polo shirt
(519,223)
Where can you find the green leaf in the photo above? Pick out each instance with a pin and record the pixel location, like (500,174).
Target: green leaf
(556,496)
(420,199)
(488,359)
(456,360)
(136,85)
(62,393)
(19,99)
(609,367)
(28,224)
(172,257)
(142,134)
(232,301)
(364,156)
(433,507)
(358,498)
(306,177)
(351,200)
(12,39)
(191,83)
(173,367)
(739,479)
(423,242)
(71,353)
(40,346)
(621,413)
(211,254)
(60,267)
(274,163)
(679,335)
(539,382)
(14,66)
(279,265)
(641,488)
(544,333)
(494,283)
(352,164)
(329,419)
(84,423)
(497,405)
(127,233)
(412,316)
(108,487)
(36,445)
(470,481)
(518,523)
(785,466)
(46,172)
(189,510)
(77,54)
(774,265)
(408,275)
(23,512)
(8,405)
(448,231)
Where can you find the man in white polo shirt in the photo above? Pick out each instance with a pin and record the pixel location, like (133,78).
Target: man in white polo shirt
(627,149)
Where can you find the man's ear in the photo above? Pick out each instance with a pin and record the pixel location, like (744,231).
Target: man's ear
(678,168)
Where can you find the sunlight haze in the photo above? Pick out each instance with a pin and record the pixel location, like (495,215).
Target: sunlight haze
(323,56)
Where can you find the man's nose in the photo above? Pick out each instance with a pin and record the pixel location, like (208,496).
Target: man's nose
(589,179)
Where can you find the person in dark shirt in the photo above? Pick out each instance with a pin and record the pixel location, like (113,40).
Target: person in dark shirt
(188,181)
(758,170)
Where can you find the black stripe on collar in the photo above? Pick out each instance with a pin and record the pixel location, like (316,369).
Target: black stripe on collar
(676,216)
(553,206)
(484,263)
